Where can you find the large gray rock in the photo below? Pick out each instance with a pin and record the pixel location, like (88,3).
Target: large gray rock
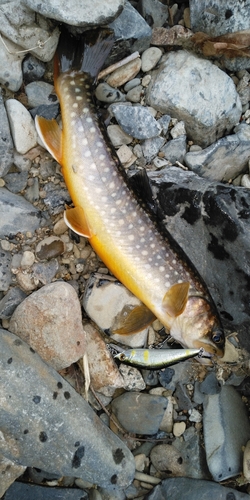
(181,488)
(199,93)
(80,13)
(226,430)
(210,221)
(46,424)
(17,214)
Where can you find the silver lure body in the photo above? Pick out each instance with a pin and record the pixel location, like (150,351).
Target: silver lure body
(156,358)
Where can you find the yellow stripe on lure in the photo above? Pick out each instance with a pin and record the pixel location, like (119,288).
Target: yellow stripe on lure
(106,211)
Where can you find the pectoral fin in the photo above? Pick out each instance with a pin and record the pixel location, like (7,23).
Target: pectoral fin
(51,135)
(175,299)
(133,321)
(76,220)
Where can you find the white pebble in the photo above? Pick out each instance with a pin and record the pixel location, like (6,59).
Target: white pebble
(22,126)
(150,58)
(179,428)
(245,181)
(28,259)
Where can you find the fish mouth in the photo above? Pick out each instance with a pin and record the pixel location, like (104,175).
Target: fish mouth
(209,350)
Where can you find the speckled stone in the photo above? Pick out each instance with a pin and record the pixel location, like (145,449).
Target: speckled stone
(136,121)
(47,425)
(22,126)
(194,489)
(6,143)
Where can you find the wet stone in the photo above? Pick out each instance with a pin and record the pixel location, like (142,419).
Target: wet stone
(25,491)
(9,471)
(133,380)
(136,121)
(135,94)
(132,84)
(194,489)
(145,412)
(56,332)
(84,447)
(118,136)
(182,396)
(150,58)
(226,431)
(56,198)
(210,385)
(49,248)
(164,122)
(11,65)
(124,73)
(6,143)
(151,147)
(154,12)
(10,301)
(5,270)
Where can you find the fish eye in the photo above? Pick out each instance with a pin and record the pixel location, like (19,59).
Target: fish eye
(217,337)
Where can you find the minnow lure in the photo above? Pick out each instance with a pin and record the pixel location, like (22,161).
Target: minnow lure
(151,359)
(106,211)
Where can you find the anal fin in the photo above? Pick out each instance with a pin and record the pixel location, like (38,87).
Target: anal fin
(76,220)
(131,321)
(175,299)
(51,136)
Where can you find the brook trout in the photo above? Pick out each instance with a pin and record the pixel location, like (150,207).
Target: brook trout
(109,215)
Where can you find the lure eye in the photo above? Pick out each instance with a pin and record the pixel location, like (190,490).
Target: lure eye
(217,337)
(122,356)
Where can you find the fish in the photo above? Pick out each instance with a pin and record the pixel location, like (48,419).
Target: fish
(152,359)
(106,211)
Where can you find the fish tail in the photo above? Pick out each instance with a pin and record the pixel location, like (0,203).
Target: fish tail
(86,54)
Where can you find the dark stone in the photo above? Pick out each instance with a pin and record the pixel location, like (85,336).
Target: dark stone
(49,111)
(23,491)
(33,69)
(210,221)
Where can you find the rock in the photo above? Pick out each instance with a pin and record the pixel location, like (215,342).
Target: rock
(105,302)
(245,181)
(175,149)
(178,130)
(217,18)
(40,93)
(48,112)
(11,67)
(28,259)
(154,12)
(201,214)
(132,84)
(106,93)
(10,301)
(9,472)
(246,461)
(49,248)
(151,147)
(164,122)
(131,30)
(135,94)
(5,271)
(17,214)
(79,15)
(29,491)
(29,30)
(183,398)
(223,160)
(173,375)
(132,379)
(179,428)
(139,413)
(184,93)
(47,425)
(55,198)
(150,58)
(210,385)
(226,430)
(104,374)
(118,136)
(16,181)
(193,489)
(172,37)
(126,156)
(32,191)
(166,457)
(45,271)
(33,69)
(22,126)
(124,73)
(136,121)
(50,321)
(6,143)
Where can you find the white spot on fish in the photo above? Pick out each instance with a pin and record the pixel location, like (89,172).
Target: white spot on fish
(161,268)
(144,252)
(147,266)
(91,177)
(167,284)
(85,141)
(104,199)
(106,169)
(152,244)
(174,261)
(131,237)
(142,228)
(99,144)
(72,82)
(137,246)
(73,114)
(85,110)
(130,226)
(104,179)
(98,190)
(113,210)
(75,105)
(78,90)
(80,128)
(89,119)
(120,222)
(92,130)
(101,157)
(79,97)
(93,166)
(87,153)
(118,202)
(111,185)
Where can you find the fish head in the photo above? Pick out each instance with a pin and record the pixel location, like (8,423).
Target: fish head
(199,327)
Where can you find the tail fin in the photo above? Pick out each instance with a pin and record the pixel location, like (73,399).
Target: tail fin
(86,54)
